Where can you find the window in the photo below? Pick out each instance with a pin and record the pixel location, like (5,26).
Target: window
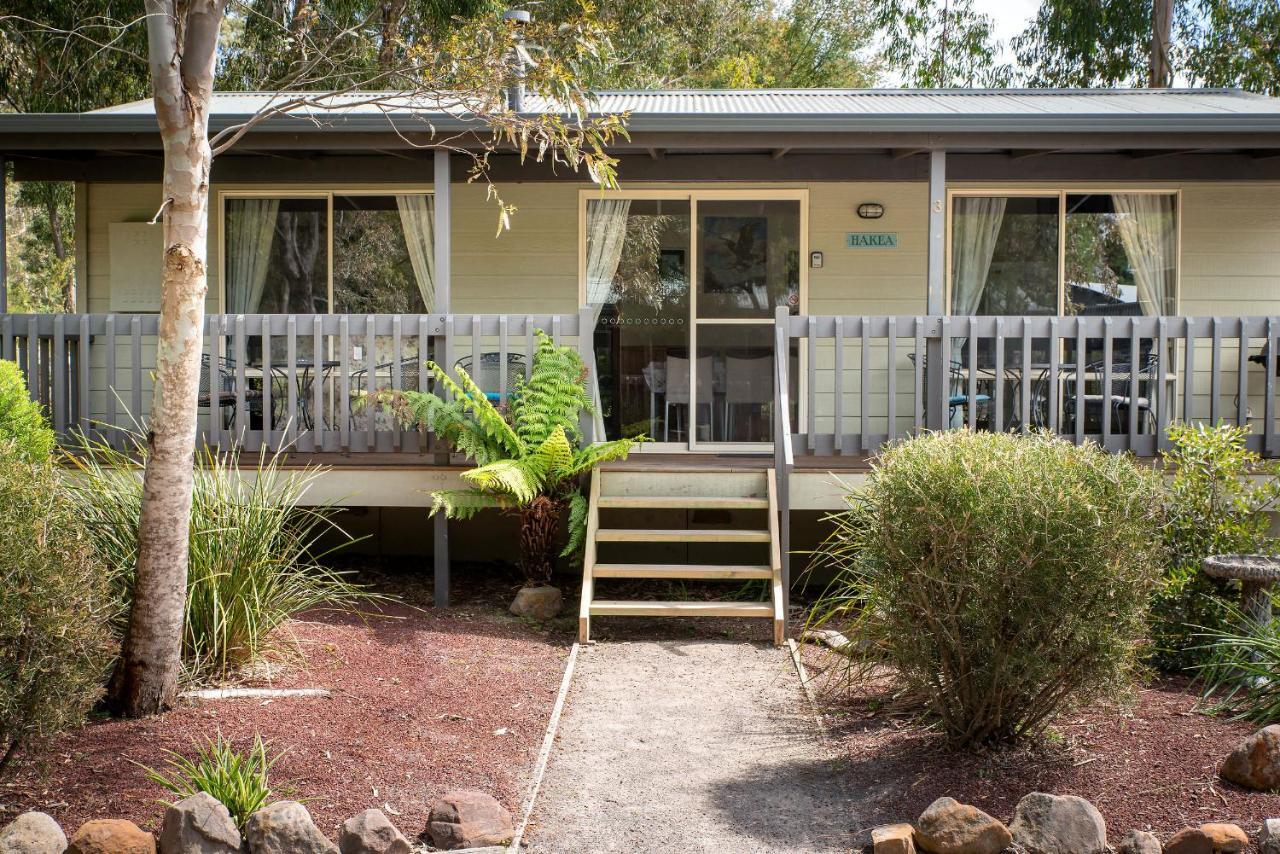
(356,253)
(1064,253)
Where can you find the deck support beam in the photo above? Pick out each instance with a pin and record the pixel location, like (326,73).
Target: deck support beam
(442,249)
(936,373)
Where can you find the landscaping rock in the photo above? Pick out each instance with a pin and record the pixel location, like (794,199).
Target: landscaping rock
(111,836)
(199,824)
(1139,842)
(893,839)
(371,832)
(950,827)
(285,827)
(468,819)
(1190,840)
(1269,837)
(538,603)
(1058,824)
(33,833)
(1225,838)
(1255,763)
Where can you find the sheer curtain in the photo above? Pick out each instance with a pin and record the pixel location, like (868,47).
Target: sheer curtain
(1146,225)
(973,245)
(417,218)
(606,234)
(251,227)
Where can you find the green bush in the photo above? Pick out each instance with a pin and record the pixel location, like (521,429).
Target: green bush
(253,553)
(1003,577)
(21,421)
(56,646)
(1238,669)
(1214,506)
(237,780)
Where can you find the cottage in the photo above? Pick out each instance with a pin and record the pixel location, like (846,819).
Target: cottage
(786,280)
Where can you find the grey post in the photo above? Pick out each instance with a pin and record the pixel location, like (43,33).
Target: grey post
(442,306)
(4,237)
(936,374)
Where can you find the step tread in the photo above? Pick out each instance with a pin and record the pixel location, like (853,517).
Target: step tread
(680,570)
(705,502)
(681,535)
(620,608)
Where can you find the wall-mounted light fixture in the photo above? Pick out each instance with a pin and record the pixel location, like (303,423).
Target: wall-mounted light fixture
(870,210)
(815,260)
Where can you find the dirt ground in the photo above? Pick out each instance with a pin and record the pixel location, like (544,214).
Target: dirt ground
(1148,762)
(422,702)
(691,746)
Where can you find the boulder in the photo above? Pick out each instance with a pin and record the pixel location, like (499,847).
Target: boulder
(285,827)
(199,824)
(1058,824)
(1255,763)
(1225,838)
(893,839)
(371,832)
(1269,837)
(1139,842)
(33,833)
(1189,840)
(468,819)
(950,827)
(111,836)
(538,603)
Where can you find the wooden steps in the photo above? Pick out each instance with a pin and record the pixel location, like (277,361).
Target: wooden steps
(638,497)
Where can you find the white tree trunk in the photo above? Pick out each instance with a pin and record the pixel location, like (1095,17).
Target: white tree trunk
(181,46)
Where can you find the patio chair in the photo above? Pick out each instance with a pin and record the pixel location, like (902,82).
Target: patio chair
(678,392)
(358,383)
(488,376)
(225,398)
(957,390)
(748,382)
(1126,391)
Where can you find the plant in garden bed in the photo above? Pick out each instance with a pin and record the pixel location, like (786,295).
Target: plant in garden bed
(527,458)
(1216,504)
(254,549)
(1003,578)
(237,780)
(1239,670)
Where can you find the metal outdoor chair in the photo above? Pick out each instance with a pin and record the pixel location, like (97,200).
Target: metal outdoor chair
(410,380)
(1127,387)
(225,398)
(957,390)
(488,375)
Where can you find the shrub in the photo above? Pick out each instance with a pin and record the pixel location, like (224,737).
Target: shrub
(253,553)
(238,780)
(1239,668)
(1213,507)
(21,422)
(1003,577)
(55,608)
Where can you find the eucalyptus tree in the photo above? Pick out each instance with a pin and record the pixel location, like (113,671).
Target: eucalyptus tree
(934,44)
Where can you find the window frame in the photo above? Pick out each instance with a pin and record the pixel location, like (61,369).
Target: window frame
(223,196)
(1062,192)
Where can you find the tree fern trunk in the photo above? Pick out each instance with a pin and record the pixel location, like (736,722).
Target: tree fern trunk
(539,522)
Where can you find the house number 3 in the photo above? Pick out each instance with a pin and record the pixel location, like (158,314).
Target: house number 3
(937,205)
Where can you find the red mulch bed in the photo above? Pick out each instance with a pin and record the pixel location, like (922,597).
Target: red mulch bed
(423,701)
(1150,763)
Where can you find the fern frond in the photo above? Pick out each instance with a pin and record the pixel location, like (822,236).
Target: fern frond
(552,396)
(470,398)
(465,503)
(578,508)
(555,456)
(601,452)
(519,479)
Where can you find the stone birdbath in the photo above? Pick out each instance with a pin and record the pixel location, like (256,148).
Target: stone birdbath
(1256,574)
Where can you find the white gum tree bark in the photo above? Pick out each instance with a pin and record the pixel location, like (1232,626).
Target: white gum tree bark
(182,42)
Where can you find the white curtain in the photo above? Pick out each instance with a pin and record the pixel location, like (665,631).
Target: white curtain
(606,235)
(417,218)
(252,230)
(1146,224)
(973,244)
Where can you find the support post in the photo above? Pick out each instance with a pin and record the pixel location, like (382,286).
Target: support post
(4,236)
(936,373)
(442,249)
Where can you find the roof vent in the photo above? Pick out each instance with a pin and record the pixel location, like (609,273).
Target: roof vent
(519,59)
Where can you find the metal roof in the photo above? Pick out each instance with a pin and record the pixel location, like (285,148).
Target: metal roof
(1031,111)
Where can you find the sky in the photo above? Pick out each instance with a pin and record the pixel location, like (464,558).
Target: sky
(1011,18)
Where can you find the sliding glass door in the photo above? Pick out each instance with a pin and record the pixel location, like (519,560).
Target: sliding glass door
(684,287)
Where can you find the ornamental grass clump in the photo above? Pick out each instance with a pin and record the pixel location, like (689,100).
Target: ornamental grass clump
(1002,578)
(236,780)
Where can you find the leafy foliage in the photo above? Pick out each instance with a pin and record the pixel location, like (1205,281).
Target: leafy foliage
(254,550)
(1239,668)
(56,645)
(1003,577)
(531,450)
(1215,505)
(237,780)
(22,424)
(938,45)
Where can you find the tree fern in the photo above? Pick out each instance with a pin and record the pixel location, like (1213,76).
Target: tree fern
(529,452)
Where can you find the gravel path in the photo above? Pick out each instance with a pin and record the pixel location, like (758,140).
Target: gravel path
(689,747)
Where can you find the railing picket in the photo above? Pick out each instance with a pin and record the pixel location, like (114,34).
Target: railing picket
(242,408)
(1105,396)
(370,379)
(318,377)
(6,335)
(1024,381)
(971,384)
(838,384)
(344,379)
(477,350)
(1242,377)
(530,346)
(33,360)
(1188,377)
(1269,404)
(918,364)
(58,371)
(1215,377)
(113,432)
(864,388)
(268,379)
(1055,359)
(397,374)
(84,353)
(1135,384)
(291,379)
(811,416)
(1082,352)
(891,362)
(1162,381)
(997,401)
(135,357)
(424,353)
(502,361)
